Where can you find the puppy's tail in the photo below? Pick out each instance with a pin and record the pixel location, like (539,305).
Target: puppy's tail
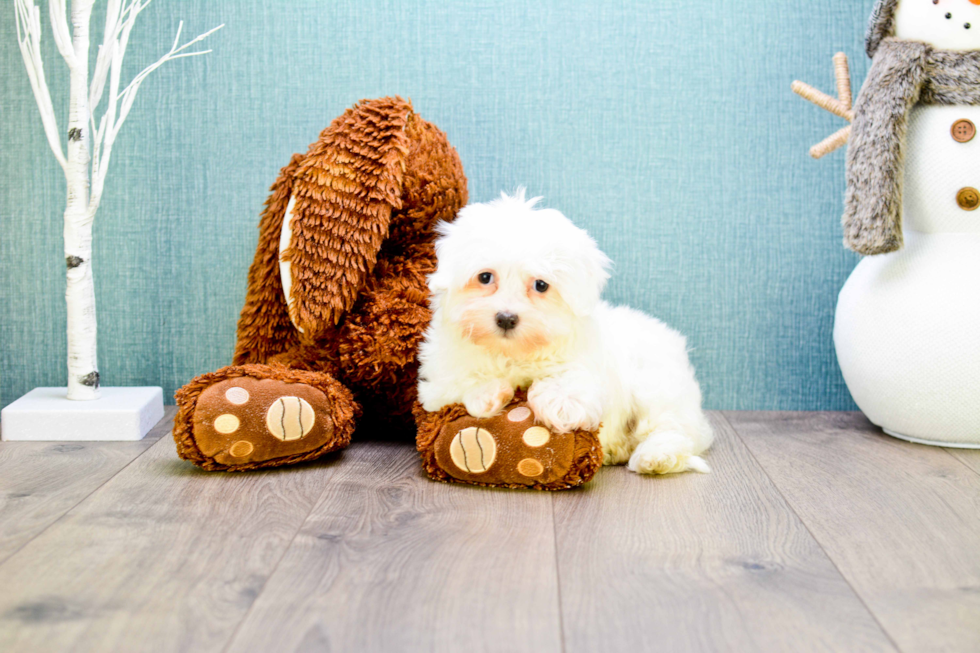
(698,464)
(667,452)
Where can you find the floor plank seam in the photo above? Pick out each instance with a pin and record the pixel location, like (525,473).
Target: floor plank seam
(82,500)
(272,572)
(561,611)
(961,461)
(816,540)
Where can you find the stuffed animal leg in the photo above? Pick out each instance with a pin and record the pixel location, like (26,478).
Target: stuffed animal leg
(510,450)
(245,417)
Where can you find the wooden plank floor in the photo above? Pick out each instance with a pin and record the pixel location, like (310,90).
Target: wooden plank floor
(814,532)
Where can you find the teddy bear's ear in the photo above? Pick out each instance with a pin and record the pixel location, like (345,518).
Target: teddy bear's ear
(339,197)
(264,328)
(377,174)
(343,196)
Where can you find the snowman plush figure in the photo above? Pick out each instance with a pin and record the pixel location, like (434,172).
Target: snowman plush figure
(907,330)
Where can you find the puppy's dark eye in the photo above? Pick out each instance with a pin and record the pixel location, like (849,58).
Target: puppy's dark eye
(541,286)
(485,278)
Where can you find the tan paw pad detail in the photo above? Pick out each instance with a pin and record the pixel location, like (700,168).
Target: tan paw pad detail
(237,396)
(519,414)
(226,423)
(290,418)
(536,436)
(473,450)
(241,449)
(530,467)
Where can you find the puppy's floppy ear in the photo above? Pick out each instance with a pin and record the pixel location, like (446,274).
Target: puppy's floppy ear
(441,280)
(582,279)
(439,283)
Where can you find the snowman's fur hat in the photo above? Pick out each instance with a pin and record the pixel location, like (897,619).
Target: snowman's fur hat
(881,26)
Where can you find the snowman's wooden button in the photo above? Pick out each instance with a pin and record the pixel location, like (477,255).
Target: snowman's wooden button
(963,131)
(968,199)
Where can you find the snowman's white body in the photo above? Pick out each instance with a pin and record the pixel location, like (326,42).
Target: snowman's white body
(907,330)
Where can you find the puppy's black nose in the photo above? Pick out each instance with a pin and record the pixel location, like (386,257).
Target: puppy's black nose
(506,321)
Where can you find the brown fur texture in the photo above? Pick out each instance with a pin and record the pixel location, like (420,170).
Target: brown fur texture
(951,78)
(880,26)
(368,194)
(873,202)
(264,328)
(586,456)
(903,74)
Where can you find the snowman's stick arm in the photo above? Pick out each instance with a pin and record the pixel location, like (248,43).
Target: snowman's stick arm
(831,143)
(843,73)
(841,106)
(823,100)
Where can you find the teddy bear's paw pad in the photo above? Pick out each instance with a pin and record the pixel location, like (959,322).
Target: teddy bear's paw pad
(473,450)
(530,467)
(241,449)
(519,414)
(290,418)
(536,436)
(507,449)
(244,420)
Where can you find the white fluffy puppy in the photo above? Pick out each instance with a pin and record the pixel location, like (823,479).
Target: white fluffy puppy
(516,303)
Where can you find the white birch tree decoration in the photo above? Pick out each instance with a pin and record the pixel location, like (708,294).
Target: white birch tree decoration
(86,161)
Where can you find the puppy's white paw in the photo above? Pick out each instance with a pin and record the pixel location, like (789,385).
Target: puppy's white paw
(489,399)
(666,453)
(432,397)
(557,407)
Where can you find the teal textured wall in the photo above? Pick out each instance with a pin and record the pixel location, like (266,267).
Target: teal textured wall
(666,129)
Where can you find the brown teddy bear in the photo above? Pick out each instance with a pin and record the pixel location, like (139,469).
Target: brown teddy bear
(337,304)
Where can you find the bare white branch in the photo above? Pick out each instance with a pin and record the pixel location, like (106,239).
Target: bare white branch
(97,136)
(120,103)
(120,18)
(112,20)
(29,40)
(105,135)
(59,29)
(173,54)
